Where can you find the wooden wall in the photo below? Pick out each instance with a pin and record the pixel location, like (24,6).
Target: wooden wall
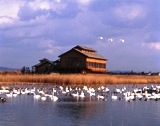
(74,60)
(45,68)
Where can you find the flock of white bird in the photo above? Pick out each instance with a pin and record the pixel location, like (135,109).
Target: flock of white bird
(111,39)
(58,93)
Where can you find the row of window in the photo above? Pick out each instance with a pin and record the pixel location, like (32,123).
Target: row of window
(96,65)
(86,51)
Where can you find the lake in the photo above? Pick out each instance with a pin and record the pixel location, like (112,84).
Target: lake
(24,110)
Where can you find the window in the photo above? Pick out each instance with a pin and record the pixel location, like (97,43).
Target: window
(96,65)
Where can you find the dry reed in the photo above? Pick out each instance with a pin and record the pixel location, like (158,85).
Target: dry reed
(78,79)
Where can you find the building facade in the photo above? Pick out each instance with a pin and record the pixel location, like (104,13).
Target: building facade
(82,59)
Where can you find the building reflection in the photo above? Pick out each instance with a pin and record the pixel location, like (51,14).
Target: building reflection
(80,113)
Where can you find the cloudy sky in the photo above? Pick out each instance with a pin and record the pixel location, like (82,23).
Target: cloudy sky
(126,32)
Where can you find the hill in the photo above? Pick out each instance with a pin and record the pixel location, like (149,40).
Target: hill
(7,68)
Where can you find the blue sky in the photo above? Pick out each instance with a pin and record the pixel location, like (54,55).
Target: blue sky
(126,32)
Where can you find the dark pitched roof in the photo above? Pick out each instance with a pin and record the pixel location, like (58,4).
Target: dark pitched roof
(44,59)
(96,56)
(91,55)
(41,63)
(85,48)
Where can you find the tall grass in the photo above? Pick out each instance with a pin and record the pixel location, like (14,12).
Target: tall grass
(79,79)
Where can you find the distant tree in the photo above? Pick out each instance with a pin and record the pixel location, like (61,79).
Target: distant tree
(27,70)
(142,73)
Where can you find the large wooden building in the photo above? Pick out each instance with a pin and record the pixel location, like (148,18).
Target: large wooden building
(82,59)
(79,59)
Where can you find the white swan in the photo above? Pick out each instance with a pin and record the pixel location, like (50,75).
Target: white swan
(100,97)
(82,95)
(114,97)
(9,94)
(75,94)
(54,98)
(36,96)
(43,98)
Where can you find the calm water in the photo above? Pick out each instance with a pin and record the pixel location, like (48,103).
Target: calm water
(24,110)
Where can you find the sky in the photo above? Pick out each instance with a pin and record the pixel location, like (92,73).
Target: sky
(125,32)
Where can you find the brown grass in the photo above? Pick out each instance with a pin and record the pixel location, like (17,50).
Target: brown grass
(78,79)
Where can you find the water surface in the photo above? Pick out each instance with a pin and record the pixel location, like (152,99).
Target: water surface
(24,110)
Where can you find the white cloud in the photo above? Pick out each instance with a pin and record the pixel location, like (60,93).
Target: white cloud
(58,7)
(58,1)
(130,11)
(22,33)
(39,4)
(55,5)
(155,45)
(6,20)
(37,8)
(84,2)
(10,8)
(49,44)
(49,51)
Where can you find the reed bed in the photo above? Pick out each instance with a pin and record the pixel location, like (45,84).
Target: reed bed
(78,79)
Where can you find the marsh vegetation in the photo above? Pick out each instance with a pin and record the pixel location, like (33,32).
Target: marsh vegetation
(78,79)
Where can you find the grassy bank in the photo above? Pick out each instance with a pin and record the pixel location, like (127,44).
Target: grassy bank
(79,79)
